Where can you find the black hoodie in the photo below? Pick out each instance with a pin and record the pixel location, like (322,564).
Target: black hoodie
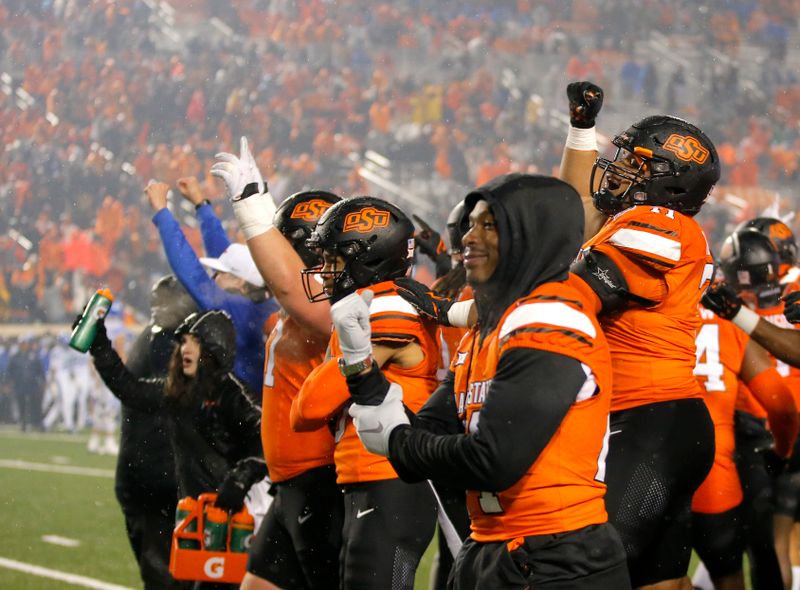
(540,225)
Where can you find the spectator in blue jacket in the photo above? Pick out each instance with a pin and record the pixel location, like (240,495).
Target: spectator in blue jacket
(235,286)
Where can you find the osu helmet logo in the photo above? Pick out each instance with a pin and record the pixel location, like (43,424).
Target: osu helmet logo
(780,231)
(365,220)
(310,210)
(686,148)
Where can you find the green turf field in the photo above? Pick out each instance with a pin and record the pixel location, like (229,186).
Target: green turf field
(80,507)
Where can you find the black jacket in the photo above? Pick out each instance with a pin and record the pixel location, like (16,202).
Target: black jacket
(210,437)
(145,465)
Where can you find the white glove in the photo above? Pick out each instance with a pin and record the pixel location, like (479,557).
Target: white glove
(237,173)
(350,317)
(374,424)
(255,212)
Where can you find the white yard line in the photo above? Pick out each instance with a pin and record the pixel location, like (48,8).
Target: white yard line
(50,468)
(62,541)
(43,572)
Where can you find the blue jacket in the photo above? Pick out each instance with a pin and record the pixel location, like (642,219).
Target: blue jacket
(248,317)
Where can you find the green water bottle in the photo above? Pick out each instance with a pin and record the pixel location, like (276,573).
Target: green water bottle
(97,308)
(215,529)
(242,525)
(186,507)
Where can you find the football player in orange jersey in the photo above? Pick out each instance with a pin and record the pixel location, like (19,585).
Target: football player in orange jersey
(725,355)
(298,542)
(521,418)
(388,524)
(750,263)
(647,260)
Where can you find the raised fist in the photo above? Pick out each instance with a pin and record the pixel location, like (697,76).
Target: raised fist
(157,194)
(585,102)
(189,187)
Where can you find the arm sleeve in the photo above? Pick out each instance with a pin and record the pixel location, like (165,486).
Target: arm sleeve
(321,397)
(186,266)
(527,400)
(215,240)
(439,415)
(244,419)
(146,395)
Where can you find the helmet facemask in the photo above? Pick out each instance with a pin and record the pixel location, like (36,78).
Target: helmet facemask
(624,180)
(340,279)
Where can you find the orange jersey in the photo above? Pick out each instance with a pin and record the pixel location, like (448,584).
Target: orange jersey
(292,353)
(746,401)
(325,396)
(664,257)
(720,350)
(563,489)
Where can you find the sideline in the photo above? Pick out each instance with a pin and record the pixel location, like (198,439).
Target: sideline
(74,579)
(51,468)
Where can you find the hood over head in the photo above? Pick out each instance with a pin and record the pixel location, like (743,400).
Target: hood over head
(540,226)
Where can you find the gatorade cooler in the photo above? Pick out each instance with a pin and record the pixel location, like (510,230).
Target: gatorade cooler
(208,530)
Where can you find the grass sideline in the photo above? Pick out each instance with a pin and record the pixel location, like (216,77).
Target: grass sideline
(80,507)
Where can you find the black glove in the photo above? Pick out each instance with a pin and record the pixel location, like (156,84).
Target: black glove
(722,300)
(774,463)
(231,494)
(585,102)
(791,307)
(233,490)
(425,301)
(431,244)
(101,339)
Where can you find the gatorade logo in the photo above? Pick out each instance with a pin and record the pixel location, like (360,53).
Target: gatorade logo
(214,567)
(365,220)
(310,210)
(686,148)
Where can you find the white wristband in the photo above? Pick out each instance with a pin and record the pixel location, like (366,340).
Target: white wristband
(458,314)
(583,140)
(254,214)
(746,319)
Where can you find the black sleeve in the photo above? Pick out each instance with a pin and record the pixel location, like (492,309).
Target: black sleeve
(526,402)
(146,395)
(243,419)
(439,415)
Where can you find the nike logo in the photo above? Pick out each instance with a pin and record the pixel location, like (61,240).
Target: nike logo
(361,513)
(614,432)
(304,517)
(377,430)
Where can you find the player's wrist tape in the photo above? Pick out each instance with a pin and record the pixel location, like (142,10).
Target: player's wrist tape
(458,314)
(254,214)
(583,140)
(746,319)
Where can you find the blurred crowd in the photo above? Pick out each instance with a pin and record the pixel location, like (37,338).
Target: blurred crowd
(98,97)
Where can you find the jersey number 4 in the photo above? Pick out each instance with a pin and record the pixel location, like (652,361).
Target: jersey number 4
(708,364)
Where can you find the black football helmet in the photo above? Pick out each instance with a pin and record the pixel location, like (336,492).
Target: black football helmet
(666,161)
(298,215)
(749,262)
(781,237)
(375,239)
(456,227)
